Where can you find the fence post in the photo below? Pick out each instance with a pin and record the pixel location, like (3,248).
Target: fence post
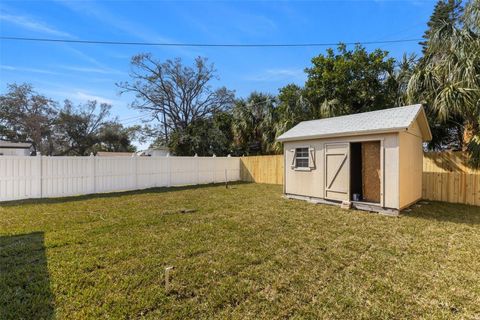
(40,178)
(214,158)
(136,170)
(197,163)
(227,165)
(169,161)
(92,172)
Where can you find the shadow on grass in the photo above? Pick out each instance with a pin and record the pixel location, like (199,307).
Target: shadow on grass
(24,280)
(231,185)
(446,212)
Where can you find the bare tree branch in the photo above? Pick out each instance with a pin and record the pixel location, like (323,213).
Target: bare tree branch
(173,93)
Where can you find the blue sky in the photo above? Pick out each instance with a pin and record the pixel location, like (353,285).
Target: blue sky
(82,72)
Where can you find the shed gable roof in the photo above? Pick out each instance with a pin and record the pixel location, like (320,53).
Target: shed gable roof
(381,121)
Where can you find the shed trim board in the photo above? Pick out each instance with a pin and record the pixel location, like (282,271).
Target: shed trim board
(347,134)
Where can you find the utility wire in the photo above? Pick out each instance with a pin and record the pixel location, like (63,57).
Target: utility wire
(238,45)
(132,118)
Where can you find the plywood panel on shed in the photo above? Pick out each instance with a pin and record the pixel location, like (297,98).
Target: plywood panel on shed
(371,171)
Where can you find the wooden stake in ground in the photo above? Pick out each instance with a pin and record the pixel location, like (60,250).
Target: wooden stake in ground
(226,179)
(167,279)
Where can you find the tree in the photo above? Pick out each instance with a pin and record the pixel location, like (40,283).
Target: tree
(351,81)
(173,94)
(26,115)
(204,137)
(223,122)
(253,124)
(114,137)
(447,77)
(403,72)
(448,12)
(446,133)
(293,107)
(78,128)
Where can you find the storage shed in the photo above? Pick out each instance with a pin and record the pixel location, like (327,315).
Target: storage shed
(370,161)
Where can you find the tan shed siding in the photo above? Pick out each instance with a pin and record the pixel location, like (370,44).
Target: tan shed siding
(391,171)
(305,183)
(415,129)
(411,166)
(311,183)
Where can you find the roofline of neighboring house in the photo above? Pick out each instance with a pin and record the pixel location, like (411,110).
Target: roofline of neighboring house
(13,147)
(16,145)
(115,154)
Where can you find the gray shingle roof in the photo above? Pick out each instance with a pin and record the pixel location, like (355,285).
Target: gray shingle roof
(387,120)
(20,145)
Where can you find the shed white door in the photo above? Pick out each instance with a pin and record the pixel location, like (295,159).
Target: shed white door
(337,171)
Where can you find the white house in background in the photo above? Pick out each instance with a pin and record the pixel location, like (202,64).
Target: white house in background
(154,152)
(8,148)
(157,152)
(114,154)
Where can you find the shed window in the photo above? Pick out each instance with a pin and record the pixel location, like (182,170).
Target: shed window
(301,158)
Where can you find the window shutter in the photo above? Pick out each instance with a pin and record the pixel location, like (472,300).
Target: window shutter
(311,157)
(292,165)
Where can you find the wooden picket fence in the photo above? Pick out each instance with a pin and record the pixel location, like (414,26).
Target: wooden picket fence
(446,175)
(262,169)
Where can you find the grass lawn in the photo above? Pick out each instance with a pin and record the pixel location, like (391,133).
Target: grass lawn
(244,253)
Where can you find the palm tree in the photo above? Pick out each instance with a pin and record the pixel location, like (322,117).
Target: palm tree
(253,123)
(447,78)
(293,107)
(403,73)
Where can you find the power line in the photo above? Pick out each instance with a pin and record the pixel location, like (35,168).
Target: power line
(226,45)
(132,118)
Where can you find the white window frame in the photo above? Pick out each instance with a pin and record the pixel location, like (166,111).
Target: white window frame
(310,157)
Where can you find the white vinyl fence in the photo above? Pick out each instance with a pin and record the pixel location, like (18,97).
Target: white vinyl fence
(44,177)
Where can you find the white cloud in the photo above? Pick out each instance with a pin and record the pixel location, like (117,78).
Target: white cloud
(99,67)
(106,16)
(254,24)
(88,97)
(292,74)
(23,69)
(123,24)
(82,55)
(100,70)
(77,95)
(32,24)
